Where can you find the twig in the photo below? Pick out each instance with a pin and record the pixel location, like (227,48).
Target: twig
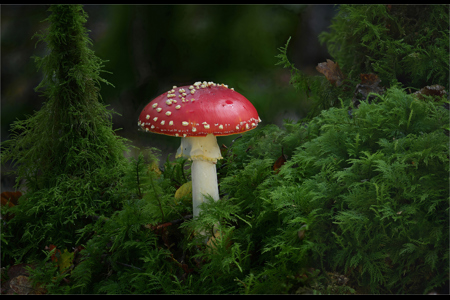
(129,266)
(232,142)
(177,221)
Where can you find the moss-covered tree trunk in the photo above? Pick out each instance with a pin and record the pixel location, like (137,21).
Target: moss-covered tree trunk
(67,152)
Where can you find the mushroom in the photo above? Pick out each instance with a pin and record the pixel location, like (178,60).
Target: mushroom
(198,113)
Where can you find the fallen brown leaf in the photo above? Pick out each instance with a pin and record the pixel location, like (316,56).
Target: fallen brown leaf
(332,72)
(435,90)
(279,162)
(10,198)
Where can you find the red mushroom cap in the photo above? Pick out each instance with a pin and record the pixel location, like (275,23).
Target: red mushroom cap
(198,110)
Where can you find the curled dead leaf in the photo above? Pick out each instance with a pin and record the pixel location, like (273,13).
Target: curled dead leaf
(10,198)
(56,254)
(279,162)
(332,72)
(436,90)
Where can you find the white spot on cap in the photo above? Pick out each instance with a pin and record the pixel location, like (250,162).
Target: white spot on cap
(159,109)
(155,105)
(155,119)
(206,126)
(170,123)
(168,113)
(147,117)
(194,129)
(169,102)
(220,126)
(163,122)
(178,106)
(184,123)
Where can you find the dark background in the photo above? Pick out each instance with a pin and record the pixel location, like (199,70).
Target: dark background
(150,48)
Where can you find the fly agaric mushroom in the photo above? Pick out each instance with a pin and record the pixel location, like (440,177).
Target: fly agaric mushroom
(198,113)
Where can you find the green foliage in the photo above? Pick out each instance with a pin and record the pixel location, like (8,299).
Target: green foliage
(317,88)
(376,184)
(67,153)
(47,271)
(124,246)
(225,258)
(353,200)
(127,252)
(400,43)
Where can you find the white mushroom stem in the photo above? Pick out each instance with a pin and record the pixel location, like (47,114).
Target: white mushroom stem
(204,153)
(204,182)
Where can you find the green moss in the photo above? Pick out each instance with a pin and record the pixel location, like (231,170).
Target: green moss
(66,154)
(371,190)
(401,43)
(353,199)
